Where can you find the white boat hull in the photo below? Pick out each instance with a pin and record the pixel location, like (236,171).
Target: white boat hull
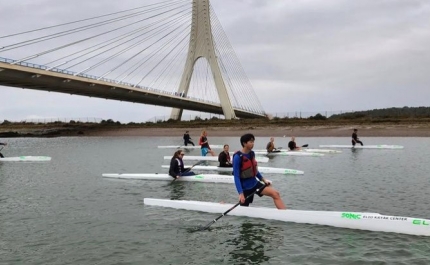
(26,159)
(351,220)
(215,146)
(271,170)
(215,158)
(288,153)
(212,178)
(381,146)
(321,151)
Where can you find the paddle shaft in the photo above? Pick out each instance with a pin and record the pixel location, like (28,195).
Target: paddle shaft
(232,208)
(188,169)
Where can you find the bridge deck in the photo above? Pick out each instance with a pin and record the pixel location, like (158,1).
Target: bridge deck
(39,79)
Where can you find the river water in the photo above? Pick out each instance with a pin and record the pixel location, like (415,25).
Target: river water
(64,212)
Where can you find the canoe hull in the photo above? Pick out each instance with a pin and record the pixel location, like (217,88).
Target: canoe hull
(270,170)
(26,159)
(215,158)
(381,146)
(352,220)
(209,178)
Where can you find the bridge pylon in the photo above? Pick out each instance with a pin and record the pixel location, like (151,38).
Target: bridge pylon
(202,45)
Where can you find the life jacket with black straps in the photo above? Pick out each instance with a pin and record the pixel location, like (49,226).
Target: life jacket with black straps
(248,167)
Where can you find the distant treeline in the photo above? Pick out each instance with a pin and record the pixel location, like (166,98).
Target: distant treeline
(405,113)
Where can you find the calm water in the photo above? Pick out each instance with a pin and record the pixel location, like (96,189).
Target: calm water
(64,212)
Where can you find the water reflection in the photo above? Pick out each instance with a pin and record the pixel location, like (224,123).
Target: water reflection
(251,242)
(177,190)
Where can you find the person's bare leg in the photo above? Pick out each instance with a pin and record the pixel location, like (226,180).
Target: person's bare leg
(274,194)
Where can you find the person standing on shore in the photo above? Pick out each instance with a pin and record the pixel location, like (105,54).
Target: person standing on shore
(224,157)
(204,144)
(1,155)
(248,179)
(176,169)
(187,139)
(355,138)
(292,144)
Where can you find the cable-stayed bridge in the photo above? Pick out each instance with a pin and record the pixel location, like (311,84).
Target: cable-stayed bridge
(173,53)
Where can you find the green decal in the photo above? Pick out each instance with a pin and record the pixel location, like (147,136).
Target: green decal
(353,216)
(22,157)
(420,222)
(199,177)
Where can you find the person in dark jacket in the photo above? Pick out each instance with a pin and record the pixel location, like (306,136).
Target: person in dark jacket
(1,155)
(187,139)
(224,157)
(177,169)
(355,138)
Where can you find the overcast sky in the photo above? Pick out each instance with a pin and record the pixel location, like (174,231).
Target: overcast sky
(300,55)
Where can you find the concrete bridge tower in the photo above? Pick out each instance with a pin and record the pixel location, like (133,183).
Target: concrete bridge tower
(202,45)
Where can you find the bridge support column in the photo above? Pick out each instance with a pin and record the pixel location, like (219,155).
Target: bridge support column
(202,45)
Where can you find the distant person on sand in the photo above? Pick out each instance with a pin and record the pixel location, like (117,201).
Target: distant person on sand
(187,139)
(224,157)
(355,138)
(270,147)
(204,144)
(1,155)
(292,144)
(177,169)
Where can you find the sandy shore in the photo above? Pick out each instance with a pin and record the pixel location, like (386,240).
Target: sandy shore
(410,130)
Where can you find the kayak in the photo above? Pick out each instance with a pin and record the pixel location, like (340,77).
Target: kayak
(272,170)
(214,178)
(288,153)
(215,158)
(26,159)
(321,151)
(208,178)
(215,146)
(352,220)
(380,146)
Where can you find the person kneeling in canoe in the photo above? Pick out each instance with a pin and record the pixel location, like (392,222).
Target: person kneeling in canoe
(177,169)
(224,157)
(270,147)
(1,155)
(247,178)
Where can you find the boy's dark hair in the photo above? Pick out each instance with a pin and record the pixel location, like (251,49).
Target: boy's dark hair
(246,138)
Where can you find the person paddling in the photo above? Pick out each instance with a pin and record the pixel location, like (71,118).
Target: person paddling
(224,157)
(187,139)
(247,178)
(177,169)
(1,155)
(204,144)
(292,144)
(270,147)
(355,138)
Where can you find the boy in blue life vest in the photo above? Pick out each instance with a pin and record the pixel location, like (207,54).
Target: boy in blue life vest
(247,178)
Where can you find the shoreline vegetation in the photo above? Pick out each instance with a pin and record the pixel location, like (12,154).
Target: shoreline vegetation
(387,127)
(390,122)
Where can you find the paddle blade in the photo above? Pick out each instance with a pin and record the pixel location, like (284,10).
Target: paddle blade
(305,145)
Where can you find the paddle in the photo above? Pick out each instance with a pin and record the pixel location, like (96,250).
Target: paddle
(188,169)
(231,209)
(305,145)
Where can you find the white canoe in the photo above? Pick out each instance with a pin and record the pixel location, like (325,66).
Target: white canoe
(321,151)
(215,146)
(288,153)
(26,159)
(214,178)
(215,158)
(380,146)
(272,170)
(351,220)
